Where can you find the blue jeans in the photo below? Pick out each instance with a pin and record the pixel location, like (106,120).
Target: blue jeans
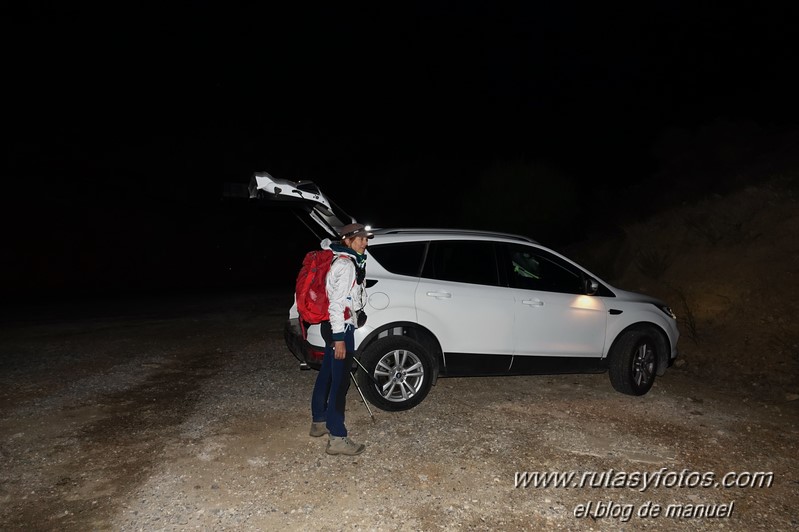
(330,391)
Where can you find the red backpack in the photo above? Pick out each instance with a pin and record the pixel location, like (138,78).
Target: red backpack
(311,287)
(311,292)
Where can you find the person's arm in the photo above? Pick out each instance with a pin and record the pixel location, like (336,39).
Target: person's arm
(340,279)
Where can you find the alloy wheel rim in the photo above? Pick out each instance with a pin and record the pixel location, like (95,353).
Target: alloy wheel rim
(643,364)
(399,374)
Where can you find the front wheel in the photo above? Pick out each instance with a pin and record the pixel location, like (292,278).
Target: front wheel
(633,362)
(399,375)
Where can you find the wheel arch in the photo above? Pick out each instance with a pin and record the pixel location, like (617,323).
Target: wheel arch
(662,339)
(414,331)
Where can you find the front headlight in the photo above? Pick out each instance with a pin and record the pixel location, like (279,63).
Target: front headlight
(667,310)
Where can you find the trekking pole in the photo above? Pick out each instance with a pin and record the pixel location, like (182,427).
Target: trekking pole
(371,378)
(362,397)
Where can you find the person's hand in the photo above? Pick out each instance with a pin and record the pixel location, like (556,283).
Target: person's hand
(339,350)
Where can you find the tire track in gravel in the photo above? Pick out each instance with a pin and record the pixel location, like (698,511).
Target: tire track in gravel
(112,444)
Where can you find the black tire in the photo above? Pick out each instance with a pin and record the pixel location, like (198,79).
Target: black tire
(633,361)
(400,373)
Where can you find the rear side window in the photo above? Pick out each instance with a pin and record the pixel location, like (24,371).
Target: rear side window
(462,261)
(403,258)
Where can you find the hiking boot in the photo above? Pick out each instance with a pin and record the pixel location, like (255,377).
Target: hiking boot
(318,428)
(343,445)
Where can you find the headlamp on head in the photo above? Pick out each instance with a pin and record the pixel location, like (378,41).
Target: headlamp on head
(354,230)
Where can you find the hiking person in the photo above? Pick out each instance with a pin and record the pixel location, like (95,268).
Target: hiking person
(345,291)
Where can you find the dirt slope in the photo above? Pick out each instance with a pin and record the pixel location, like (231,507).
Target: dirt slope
(729,267)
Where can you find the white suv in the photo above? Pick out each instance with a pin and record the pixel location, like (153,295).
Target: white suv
(447,302)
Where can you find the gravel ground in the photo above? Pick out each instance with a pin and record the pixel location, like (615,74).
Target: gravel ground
(190,413)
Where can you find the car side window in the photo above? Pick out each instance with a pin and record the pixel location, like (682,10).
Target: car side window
(462,261)
(404,258)
(532,269)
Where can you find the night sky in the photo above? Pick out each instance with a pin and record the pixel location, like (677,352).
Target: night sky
(124,122)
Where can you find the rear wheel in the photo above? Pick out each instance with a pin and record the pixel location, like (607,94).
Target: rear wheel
(399,371)
(633,362)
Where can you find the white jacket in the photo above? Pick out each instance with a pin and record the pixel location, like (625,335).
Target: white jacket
(342,291)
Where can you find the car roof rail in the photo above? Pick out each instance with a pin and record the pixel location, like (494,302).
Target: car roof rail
(464,232)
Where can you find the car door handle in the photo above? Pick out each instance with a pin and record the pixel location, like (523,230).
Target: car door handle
(533,302)
(440,294)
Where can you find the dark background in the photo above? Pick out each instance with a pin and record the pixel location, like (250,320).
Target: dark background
(127,124)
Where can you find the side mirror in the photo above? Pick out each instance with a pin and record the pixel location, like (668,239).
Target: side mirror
(590,286)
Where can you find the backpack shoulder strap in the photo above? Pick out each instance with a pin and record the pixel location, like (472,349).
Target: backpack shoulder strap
(336,256)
